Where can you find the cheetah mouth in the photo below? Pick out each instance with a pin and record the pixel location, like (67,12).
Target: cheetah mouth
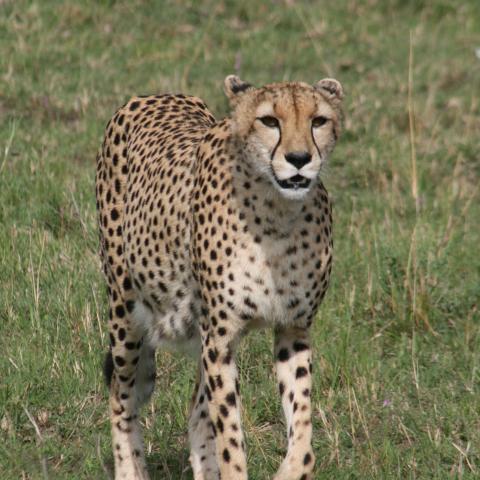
(294,183)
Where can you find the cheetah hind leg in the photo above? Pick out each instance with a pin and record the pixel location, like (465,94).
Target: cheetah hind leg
(200,432)
(130,387)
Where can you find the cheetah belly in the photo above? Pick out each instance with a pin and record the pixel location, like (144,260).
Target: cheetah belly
(173,327)
(166,301)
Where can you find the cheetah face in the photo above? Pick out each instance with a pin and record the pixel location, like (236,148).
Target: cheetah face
(287,129)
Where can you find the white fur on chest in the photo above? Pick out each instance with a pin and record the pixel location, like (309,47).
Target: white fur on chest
(268,285)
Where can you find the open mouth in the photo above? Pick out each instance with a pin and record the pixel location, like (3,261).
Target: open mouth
(295,182)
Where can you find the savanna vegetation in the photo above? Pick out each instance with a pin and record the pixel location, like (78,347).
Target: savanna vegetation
(397,340)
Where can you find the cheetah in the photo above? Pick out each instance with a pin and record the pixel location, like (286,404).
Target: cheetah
(209,229)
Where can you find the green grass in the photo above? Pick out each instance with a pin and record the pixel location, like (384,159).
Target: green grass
(397,341)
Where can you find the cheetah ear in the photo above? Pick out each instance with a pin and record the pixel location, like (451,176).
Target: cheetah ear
(330,88)
(234,87)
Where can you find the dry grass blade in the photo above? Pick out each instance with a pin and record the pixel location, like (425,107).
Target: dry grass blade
(43,460)
(411,125)
(8,145)
(464,455)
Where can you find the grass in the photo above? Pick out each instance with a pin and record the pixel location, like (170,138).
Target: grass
(397,340)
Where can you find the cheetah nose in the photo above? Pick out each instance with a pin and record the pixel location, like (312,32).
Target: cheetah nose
(298,159)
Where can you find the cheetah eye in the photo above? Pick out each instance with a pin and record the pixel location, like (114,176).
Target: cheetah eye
(319,121)
(269,121)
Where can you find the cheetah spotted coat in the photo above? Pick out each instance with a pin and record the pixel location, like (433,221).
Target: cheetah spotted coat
(209,229)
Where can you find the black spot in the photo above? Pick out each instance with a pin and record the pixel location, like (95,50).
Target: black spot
(283,355)
(208,393)
(120,361)
(127,284)
(231,399)
(108,368)
(134,106)
(121,334)
(224,410)
(228,357)
(248,302)
(300,347)
(239,87)
(307,459)
(226,455)
(120,311)
(301,372)
(212,355)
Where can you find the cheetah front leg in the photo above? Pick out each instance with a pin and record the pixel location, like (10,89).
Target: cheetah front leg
(221,389)
(293,365)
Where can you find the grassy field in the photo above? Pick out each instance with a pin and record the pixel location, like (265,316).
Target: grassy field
(397,341)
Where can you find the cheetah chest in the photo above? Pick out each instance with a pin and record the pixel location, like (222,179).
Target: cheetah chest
(278,281)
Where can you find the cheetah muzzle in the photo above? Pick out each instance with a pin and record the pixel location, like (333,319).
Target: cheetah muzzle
(209,229)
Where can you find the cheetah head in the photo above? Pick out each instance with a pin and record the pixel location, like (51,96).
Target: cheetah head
(286,130)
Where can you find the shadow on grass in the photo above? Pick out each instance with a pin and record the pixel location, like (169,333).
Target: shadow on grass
(171,465)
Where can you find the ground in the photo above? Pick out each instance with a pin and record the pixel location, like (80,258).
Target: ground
(397,391)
